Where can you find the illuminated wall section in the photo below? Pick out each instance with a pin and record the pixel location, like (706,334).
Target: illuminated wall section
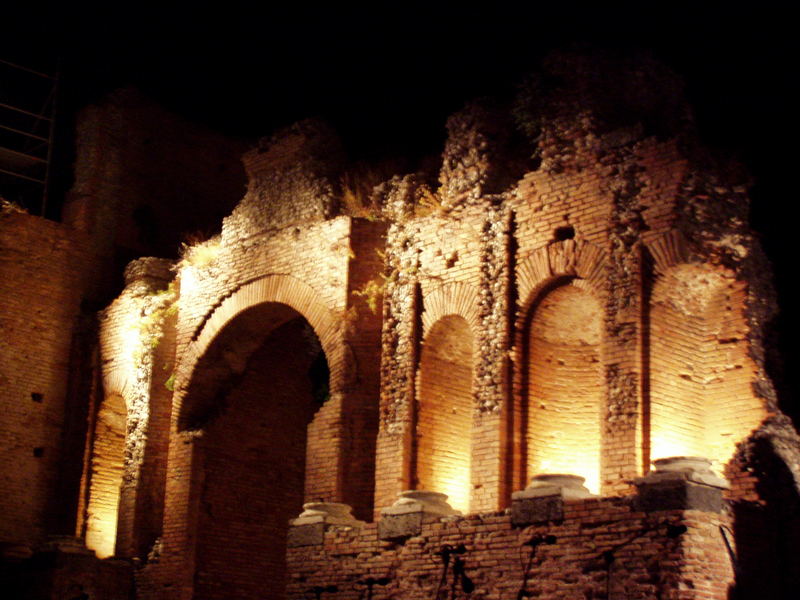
(733,410)
(677,368)
(444,412)
(106,477)
(700,373)
(564,385)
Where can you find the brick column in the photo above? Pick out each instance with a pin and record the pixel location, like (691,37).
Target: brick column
(621,458)
(399,342)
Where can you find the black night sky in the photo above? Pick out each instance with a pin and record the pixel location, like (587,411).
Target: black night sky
(386,75)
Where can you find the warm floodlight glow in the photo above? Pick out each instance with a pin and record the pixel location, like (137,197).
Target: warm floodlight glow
(564,386)
(561,462)
(444,416)
(107,468)
(701,374)
(666,445)
(101,532)
(454,483)
(189,281)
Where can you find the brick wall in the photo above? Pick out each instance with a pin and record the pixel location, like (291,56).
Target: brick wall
(145,177)
(701,399)
(125,483)
(45,272)
(106,467)
(274,261)
(565,393)
(443,430)
(597,312)
(647,563)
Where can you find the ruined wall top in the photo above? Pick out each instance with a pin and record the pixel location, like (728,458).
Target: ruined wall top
(292,180)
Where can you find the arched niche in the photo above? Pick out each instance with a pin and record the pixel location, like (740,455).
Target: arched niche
(700,373)
(270,377)
(444,411)
(107,468)
(562,383)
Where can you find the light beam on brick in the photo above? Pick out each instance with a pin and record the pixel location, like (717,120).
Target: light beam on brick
(444,416)
(564,387)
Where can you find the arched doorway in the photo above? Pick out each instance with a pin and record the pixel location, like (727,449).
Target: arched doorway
(271,376)
(444,411)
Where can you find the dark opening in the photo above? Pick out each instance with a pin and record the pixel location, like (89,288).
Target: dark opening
(254,446)
(564,233)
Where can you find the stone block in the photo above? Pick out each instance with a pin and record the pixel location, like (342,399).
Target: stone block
(312,534)
(678,495)
(680,483)
(394,527)
(527,511)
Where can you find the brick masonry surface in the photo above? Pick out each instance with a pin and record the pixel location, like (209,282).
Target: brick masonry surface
(576,291)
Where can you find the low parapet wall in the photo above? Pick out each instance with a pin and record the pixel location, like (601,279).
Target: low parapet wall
(595,548)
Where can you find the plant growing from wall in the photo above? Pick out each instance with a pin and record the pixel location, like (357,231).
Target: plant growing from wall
(199,254)
(158,306)
(170,382)
(428,202)
(372,292)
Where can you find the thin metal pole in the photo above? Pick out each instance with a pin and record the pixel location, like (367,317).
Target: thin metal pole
(25,133)
(21,176)
(24,112)
(51,137)
(21,68)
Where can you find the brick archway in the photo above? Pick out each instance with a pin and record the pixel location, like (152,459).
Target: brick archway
(582,261)
(277,289)
(450,299)
(283,298)
(700,372)
(561,383)
(699,364)
(253,456)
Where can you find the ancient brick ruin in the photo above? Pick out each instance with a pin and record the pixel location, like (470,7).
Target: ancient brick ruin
(536,331)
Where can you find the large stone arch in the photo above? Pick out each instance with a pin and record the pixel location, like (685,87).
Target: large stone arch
(256,456)
(276,289)
(203,377)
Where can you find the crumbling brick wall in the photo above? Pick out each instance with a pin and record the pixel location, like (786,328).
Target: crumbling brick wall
(124,484)
(283,248)
(625,214)
(600,292)
(600,545)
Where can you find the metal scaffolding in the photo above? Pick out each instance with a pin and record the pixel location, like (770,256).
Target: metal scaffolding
(27,126)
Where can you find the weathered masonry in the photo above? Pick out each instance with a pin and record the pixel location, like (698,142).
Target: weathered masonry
(534,377)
